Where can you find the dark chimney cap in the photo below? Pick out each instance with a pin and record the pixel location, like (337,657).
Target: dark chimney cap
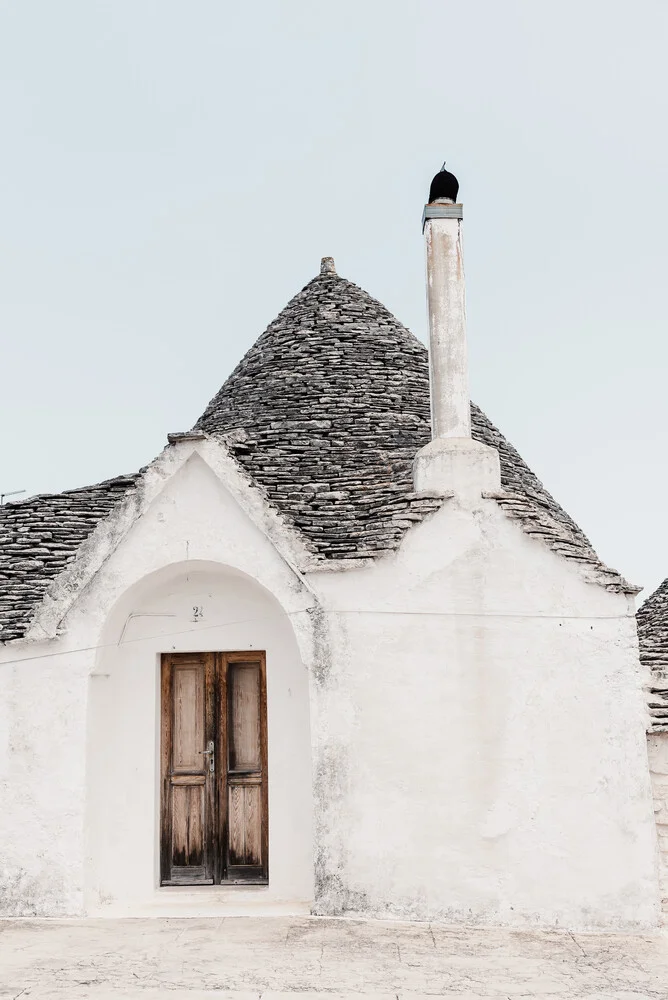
(444,186)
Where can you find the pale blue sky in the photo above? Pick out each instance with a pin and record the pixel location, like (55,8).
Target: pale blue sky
(172,172)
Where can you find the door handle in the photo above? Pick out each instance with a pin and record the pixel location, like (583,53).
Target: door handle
(210,752)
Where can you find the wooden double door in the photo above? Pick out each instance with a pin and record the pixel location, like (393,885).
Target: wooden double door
(214,822)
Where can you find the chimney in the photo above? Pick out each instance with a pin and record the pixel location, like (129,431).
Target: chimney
(452,461)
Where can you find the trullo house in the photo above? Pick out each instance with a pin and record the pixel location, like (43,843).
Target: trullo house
(336,649)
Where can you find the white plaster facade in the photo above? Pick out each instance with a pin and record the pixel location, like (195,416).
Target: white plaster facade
(441,746)
(658,764)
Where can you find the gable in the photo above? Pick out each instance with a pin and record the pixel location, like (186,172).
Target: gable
(105,527)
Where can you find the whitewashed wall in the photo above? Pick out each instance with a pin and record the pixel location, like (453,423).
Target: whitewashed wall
(475,749)
(657,746)
(42,766)
(482,723)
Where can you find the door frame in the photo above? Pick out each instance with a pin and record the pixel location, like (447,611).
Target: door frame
(218,664)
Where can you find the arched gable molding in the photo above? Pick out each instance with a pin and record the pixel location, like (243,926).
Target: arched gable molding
(76,585)
(157,586)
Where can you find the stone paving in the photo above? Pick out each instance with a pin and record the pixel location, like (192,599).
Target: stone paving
(275,958)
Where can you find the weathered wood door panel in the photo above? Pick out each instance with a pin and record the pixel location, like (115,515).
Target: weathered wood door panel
(246,770)
(188,784)
(214,821)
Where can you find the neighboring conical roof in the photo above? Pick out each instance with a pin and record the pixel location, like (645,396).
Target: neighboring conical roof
(326,412)
(652,619)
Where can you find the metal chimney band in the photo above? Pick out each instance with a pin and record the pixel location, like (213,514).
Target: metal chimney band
(436,211)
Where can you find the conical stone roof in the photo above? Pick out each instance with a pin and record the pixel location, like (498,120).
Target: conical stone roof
(326,412)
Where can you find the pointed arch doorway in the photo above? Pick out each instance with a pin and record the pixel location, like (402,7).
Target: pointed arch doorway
(213,752)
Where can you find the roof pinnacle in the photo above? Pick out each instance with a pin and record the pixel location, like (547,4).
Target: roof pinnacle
(444,187)
(327,265)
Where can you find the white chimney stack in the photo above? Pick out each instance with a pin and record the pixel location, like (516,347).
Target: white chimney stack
(452,461)
(446,302)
